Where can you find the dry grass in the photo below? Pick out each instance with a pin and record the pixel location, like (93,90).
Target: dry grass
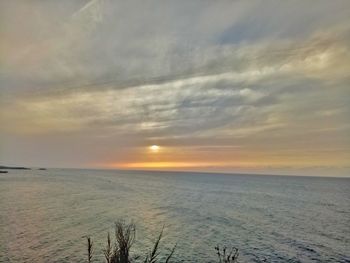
(89,248)
(227,255)
(118,251)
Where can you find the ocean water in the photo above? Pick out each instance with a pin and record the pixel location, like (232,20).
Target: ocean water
(44,215)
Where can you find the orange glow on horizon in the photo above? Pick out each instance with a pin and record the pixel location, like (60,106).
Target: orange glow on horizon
(175,165)
(164,165)
(155,157)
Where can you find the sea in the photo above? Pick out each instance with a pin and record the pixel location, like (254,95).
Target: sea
(46,215)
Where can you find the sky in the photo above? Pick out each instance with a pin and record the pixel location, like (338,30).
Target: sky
(231,86)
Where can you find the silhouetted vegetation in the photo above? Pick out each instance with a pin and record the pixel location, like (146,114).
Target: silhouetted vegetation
(89,248)
(118,251)
(226,255)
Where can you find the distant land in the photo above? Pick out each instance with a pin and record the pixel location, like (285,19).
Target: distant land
(13,168)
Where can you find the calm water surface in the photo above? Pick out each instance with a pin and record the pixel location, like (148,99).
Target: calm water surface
(44,215)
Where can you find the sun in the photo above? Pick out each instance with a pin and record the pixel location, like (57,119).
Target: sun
(154,148)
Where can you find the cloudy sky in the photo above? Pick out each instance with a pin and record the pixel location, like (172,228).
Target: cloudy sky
(236,86)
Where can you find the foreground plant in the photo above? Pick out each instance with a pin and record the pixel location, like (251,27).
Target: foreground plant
(118,251)
(227,255)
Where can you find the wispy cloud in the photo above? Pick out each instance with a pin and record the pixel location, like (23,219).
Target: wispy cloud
(268,81)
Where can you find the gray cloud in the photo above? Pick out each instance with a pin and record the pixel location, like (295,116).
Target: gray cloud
(263,77)
(122,44)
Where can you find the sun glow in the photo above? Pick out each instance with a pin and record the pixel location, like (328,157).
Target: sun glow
(154,148)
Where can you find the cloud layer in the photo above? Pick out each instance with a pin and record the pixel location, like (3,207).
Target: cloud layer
(223,85)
